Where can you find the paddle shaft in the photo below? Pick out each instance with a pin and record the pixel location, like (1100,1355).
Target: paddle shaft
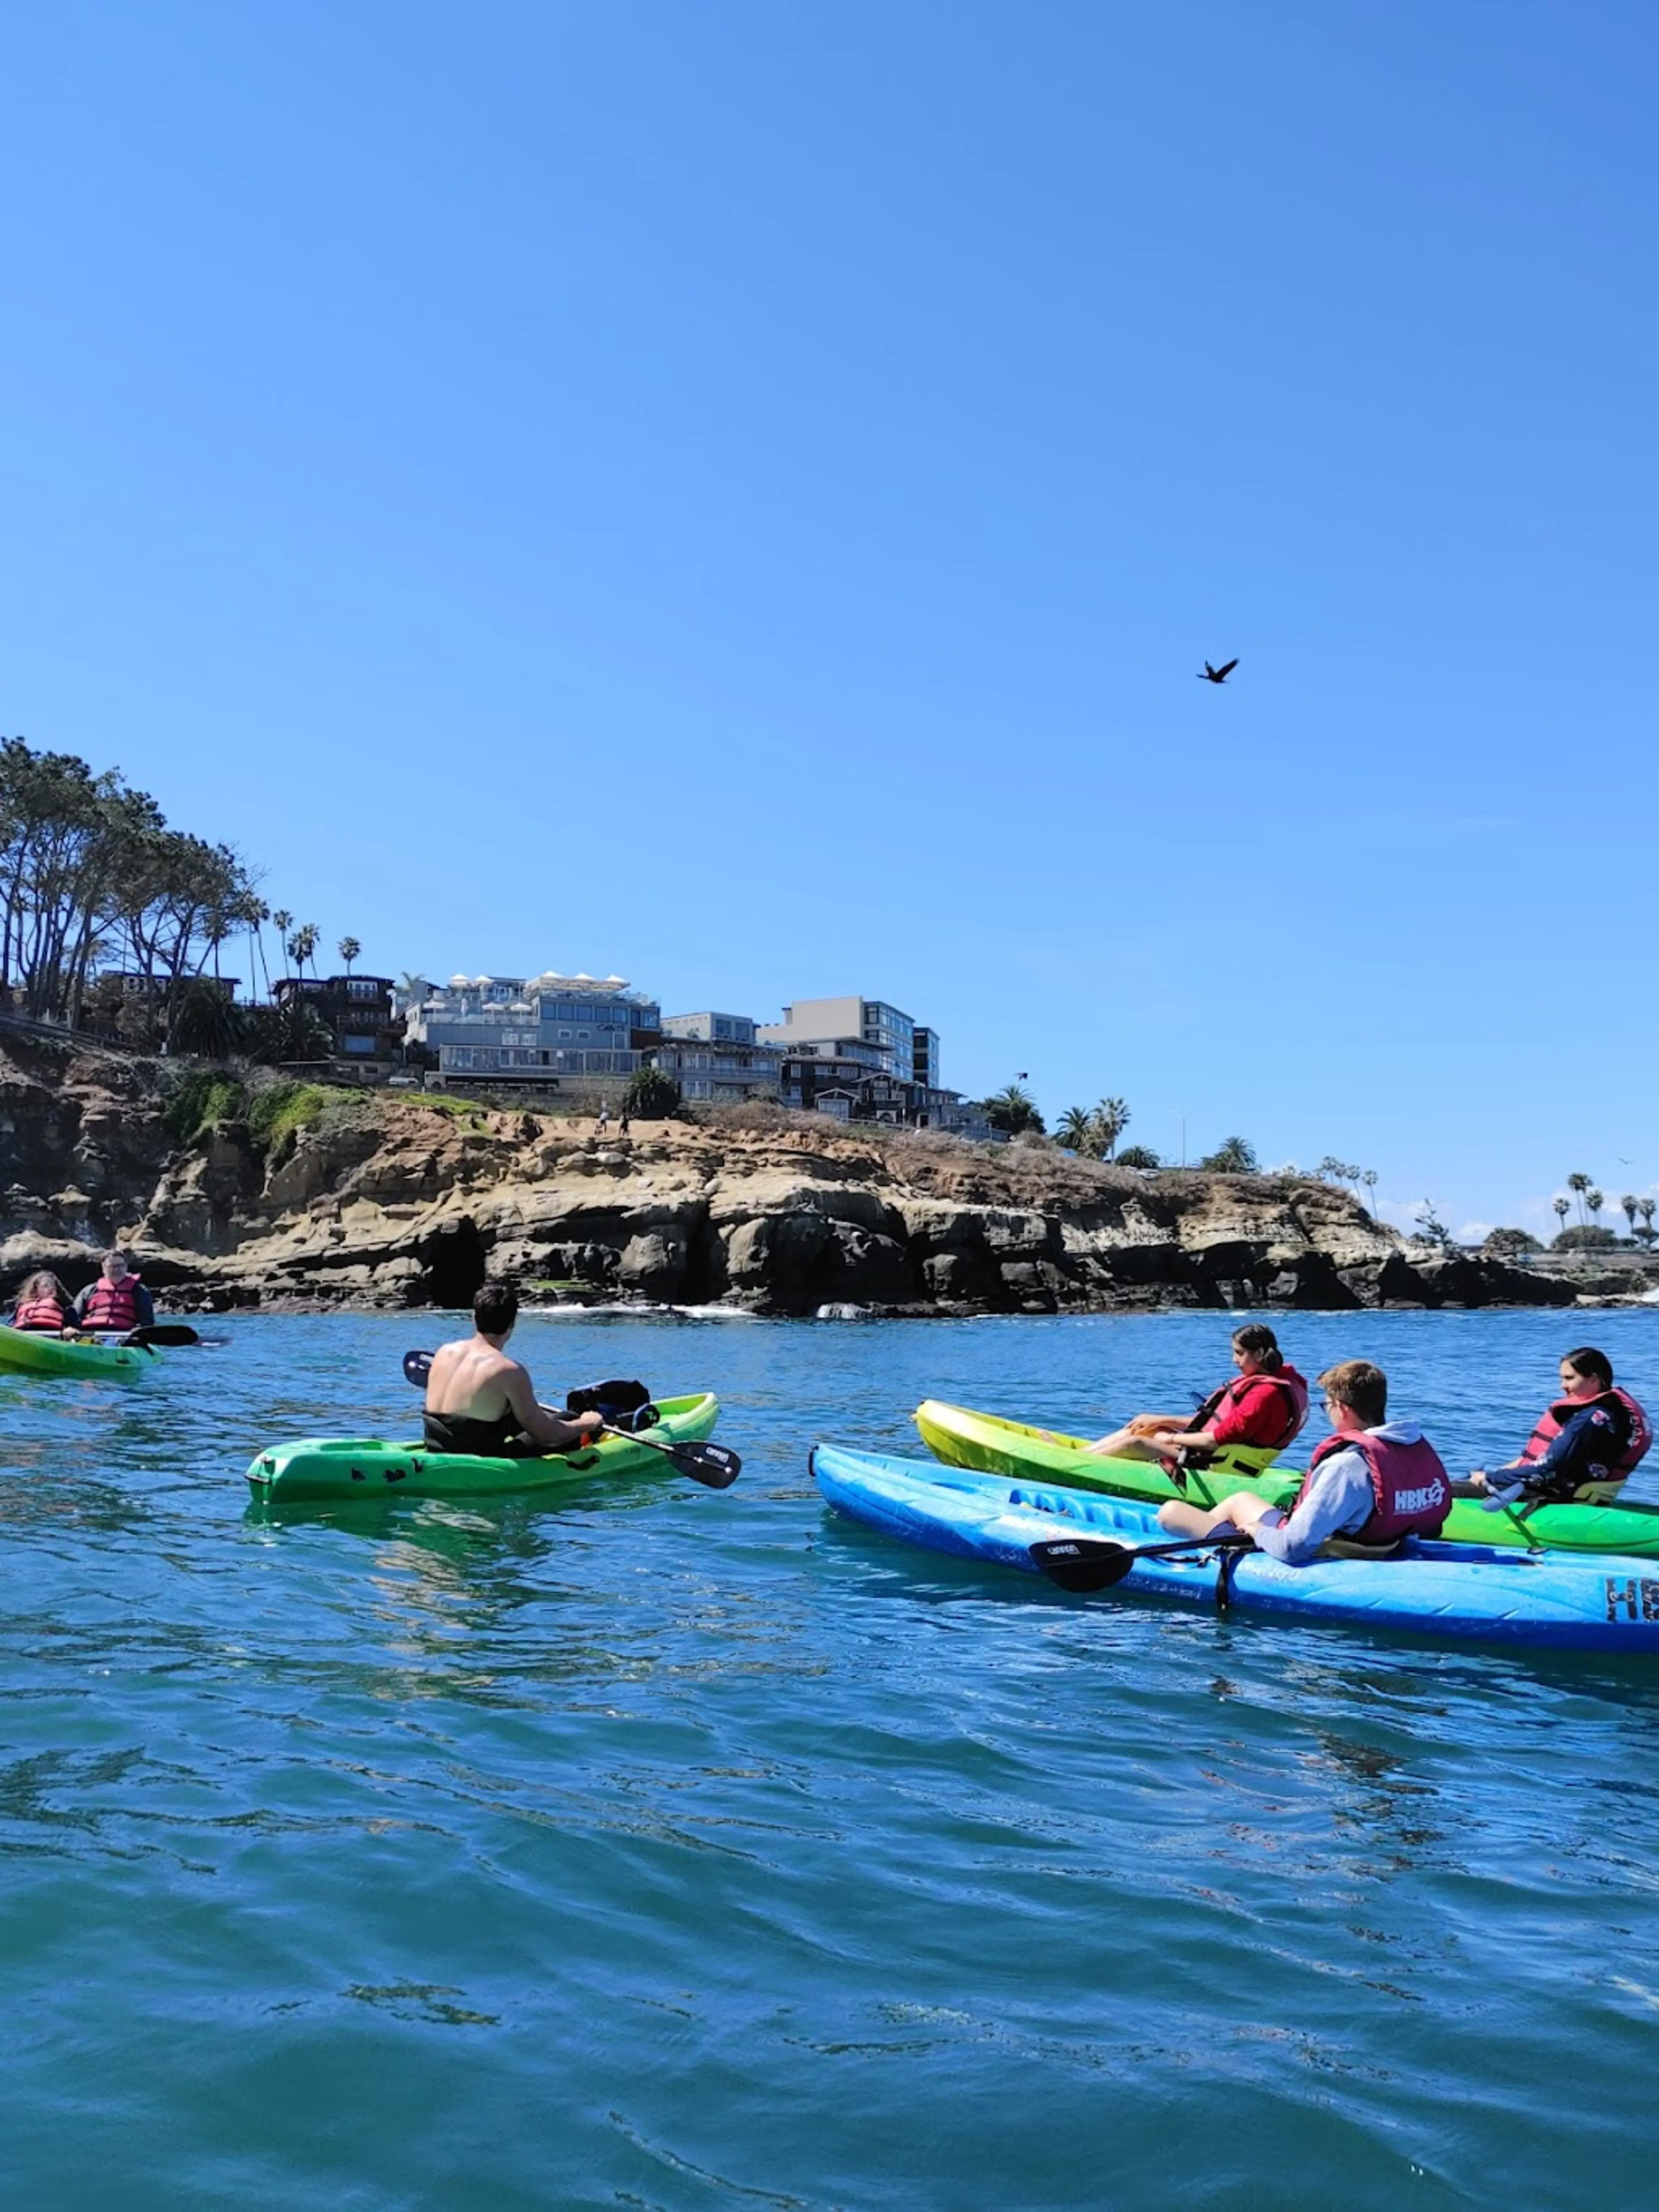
(1083,1564)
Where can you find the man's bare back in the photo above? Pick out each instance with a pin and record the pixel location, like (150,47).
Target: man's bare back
(479,1399)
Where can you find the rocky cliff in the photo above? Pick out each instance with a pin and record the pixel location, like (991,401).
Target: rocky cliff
(282,1197)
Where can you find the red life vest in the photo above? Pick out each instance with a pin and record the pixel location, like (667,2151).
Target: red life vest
(42,1313)
(1288,1388)
(113,1305)
(1410,1489)
(1555,1418)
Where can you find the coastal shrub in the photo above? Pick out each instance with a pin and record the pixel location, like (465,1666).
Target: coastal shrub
(279,1112)
(1509,1243)
(1588,1237)
(202,1102)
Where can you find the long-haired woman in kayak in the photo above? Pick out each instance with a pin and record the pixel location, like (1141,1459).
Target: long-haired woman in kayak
(1249,1420)
(1586,1442)
(43,1306)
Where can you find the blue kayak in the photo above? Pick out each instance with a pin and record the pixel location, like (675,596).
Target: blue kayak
(1469,1593)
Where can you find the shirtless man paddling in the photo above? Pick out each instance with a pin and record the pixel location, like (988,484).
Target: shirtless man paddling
(479,1400)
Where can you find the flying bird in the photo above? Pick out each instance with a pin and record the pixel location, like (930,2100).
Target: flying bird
(1208,675)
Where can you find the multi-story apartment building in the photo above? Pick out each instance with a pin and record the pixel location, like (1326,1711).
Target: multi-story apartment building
(865,1060)
(575,1032)
(716,1058)
(871,1022)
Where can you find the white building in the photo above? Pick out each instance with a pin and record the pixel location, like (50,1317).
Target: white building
(588,1031)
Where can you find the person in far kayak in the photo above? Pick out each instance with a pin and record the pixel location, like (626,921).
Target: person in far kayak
(43,1306)
(478,1400)
(116,1300)
(1245,1424)
(1586,1442)
(1370,1485)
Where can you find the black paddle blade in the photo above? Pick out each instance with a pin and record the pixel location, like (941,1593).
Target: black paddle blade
(165,1335)
(417,1365)
(710,1464)
(1082,1564)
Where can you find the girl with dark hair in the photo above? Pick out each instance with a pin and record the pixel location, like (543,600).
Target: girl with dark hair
(1586,1442)
(1243,1426)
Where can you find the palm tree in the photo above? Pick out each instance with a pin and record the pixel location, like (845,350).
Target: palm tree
(1594,1200)
(1645,1207)
(1232,1156)
(252,913)
(1012,1111)
(295,1031)
(1579,1184)
(302,944)
(1628,1207)
(1139,1156)
(1110,1119)
(282,921)
(1560,1205)
(1368,1178)
(349,949)
(1076,1130)
(412,988)
(205,1021)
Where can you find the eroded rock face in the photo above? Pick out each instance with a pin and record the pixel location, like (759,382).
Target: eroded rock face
(389,1201)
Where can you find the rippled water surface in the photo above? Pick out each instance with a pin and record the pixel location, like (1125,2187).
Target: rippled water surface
(686,1849)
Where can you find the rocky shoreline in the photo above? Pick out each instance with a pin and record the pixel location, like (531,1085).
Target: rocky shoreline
(379,1199)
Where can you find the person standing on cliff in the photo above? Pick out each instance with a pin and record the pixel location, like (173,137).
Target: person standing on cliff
(478,1400)
(1243,1426)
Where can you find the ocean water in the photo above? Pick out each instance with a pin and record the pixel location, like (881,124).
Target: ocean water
(686,1849)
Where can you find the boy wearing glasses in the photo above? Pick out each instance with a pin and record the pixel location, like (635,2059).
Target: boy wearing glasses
(1370,1485)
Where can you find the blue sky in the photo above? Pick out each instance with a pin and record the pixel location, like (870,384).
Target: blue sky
(737,495)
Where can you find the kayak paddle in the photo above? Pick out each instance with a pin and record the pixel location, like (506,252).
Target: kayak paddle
(1503,1500)
(712,1465)
(1082,1564)
(161,1335)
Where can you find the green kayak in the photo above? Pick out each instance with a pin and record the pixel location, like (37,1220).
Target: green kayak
(994,1446)
(346,1466)
(25,1352)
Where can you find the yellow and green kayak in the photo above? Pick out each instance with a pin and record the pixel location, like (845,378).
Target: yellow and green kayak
(368,1467)
(28,1352)
(994,1446)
